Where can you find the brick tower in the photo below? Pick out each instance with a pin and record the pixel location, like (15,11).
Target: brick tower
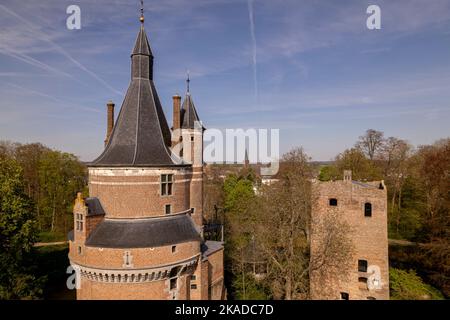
(139,233)
(363,207)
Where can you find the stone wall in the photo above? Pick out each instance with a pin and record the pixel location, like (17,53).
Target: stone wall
(368,235)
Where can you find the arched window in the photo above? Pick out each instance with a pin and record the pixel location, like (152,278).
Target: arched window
(367,209)
(333,202)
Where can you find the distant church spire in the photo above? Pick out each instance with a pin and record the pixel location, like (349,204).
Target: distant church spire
(246,160)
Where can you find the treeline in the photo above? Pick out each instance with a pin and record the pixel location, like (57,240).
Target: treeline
(37,188)
(50,179)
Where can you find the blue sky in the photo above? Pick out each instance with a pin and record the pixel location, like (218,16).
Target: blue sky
(310,68)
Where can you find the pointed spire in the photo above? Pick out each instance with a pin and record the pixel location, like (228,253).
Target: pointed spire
(141,135)
(188,112)
(142,56)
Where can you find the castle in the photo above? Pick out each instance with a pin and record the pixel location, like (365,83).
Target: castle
(139,233)
(363,207)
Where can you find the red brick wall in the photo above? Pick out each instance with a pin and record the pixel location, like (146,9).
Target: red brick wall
(368,234)
(137,196)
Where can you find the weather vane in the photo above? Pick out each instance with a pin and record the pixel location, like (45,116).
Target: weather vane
(142,12)
(188,80)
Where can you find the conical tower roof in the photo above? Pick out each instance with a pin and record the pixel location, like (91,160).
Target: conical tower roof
(141,135)
(189,115)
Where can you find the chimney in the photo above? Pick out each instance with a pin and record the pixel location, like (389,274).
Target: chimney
(348,175)
(110,120)
(176,119)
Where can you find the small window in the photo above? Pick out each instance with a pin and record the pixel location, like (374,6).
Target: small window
(362,281)
(79,221)
(174,249)
(333,202)
(79,249)
(192,210)
(192,138)
(193,277)
(362,265)
(371,298)
(367,209)
(345,296)
(166,184)
(193,286)
(168,209)
(173,284)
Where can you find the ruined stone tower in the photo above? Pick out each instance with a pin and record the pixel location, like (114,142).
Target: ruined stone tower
(139,233)
(363,207)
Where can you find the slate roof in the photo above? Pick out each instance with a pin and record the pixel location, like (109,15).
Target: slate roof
(209,247)
(143,233)
(141,135)
(94,207)
(188,113)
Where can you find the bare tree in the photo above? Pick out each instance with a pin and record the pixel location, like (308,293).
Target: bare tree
(331,253)
(370,143)
(284,228)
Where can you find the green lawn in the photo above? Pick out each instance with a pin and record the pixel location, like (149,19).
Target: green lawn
(51,237)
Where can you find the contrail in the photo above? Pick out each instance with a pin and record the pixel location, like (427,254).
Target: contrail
(31,61)
(63,103)
(61,50)
(252,34)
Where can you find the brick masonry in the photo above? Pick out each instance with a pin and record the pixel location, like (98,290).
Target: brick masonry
(368,234)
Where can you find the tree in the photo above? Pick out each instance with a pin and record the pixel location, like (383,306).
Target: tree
(284,229)
(370,143)
(395,163)
(213,195)
(328,173)
(361,167)
(239,198)
(29,157)
(407,285)
(17,235)
(61,176)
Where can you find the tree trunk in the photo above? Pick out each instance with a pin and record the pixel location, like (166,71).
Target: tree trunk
(53,215)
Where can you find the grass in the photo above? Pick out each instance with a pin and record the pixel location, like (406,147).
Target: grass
(51,237)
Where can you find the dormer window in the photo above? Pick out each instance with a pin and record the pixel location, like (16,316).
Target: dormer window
(166,184)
